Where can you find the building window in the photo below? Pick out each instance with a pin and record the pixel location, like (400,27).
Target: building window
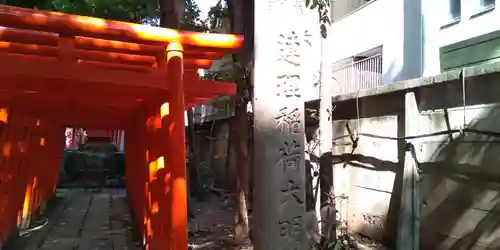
(487,3)
(456,9)
(343,8)
(359,72)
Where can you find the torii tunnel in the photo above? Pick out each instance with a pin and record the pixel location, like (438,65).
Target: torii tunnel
(59,70)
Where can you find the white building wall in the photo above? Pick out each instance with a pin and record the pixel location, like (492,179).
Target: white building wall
(439,32)
(367,28)
(393,24)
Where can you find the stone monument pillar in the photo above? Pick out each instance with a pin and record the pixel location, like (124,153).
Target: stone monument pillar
(282,33)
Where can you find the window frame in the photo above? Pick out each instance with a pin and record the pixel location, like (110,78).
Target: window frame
(483,8)
(452,18)
(345,14)
(485,5)
(455,10)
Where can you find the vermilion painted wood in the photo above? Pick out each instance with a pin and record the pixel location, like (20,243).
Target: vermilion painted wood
(55,146)
(51,69)
(120,59)
(57,87)
(51,39)
(63,70)
(40,104)
(120,31)
(31,173)
(177,155)
(15,191)
(10,176)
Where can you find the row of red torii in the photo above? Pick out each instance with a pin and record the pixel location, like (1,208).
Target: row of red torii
(59,70)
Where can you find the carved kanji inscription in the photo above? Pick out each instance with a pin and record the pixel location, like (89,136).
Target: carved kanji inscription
(288,120)
(290,156)
(291,193)
(288,78)
(290,231)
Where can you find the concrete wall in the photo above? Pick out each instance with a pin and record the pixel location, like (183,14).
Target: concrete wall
(439,32)
(460,179)
(366,174)
(393,24)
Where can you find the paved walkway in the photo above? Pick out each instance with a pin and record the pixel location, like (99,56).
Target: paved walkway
(92,221)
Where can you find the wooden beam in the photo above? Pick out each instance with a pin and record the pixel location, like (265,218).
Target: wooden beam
(115,66)
(37,100)
(99,56)
(74,112)
(99,28)
(74,89)
(210,88)
(28,36)
(20,66)
(79,54)
(77,119)
(115,57)
(75,109)
(49,69)
(140,49)
(105,124)
(59,92)
(8,34)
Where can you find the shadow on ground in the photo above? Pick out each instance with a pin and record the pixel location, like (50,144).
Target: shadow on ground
(214,223)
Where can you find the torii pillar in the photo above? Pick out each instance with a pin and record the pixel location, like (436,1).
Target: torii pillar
(176,160)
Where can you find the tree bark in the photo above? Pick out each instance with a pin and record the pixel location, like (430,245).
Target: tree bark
(171,13)
(193,156)
(241,18)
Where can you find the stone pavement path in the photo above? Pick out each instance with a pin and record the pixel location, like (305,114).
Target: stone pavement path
(93,221)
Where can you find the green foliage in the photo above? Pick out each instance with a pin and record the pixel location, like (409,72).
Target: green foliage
(225,73)
(122,10)
(73,162)
(216,13)
(221,101)
(323,7)
(192,20)
(313,4)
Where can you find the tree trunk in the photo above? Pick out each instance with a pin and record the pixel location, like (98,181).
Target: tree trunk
(171,13)
(241,16)
(193,156)
(240,137)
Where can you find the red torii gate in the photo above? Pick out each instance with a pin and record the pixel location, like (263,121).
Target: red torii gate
(59,70)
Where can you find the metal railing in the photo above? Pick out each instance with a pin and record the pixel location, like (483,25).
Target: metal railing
(359,75)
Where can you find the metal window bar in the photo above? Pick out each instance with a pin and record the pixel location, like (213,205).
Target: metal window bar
(359,75)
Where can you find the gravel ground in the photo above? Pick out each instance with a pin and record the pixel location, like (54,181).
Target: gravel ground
(213,226)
